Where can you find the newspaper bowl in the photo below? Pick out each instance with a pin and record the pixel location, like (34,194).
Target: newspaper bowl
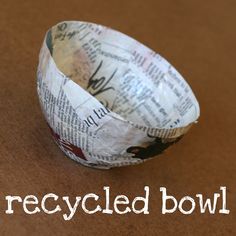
(108,100)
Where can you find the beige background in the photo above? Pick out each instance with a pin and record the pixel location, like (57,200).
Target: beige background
(198,38)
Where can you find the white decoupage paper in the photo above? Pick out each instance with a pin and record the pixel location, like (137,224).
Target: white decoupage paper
(109,100)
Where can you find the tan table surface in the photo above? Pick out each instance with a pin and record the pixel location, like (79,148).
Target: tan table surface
(198,38)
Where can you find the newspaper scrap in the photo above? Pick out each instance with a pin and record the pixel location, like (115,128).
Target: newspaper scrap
(108,100)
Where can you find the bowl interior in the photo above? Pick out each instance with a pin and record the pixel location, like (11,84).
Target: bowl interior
(124,75)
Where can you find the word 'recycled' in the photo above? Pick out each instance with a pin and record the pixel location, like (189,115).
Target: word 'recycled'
(121,204)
